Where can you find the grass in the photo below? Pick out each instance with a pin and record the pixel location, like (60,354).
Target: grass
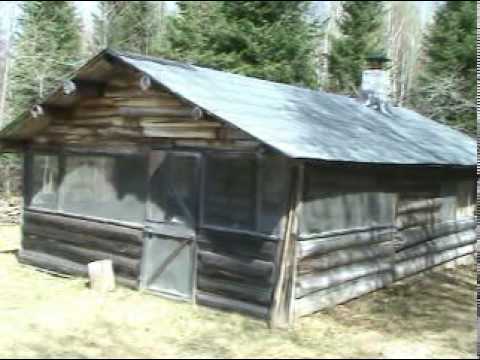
(43,316)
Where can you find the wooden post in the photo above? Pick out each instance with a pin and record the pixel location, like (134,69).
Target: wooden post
(102,277)
(282,311)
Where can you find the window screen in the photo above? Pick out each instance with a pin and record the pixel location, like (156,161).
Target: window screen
(246,193)
(174,189)
(340,201)
(230,193)
(274,192)
(104,186)
(44,188)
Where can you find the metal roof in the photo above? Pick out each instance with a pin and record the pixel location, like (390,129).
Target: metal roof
(311,124)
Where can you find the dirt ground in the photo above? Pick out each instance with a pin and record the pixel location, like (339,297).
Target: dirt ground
(43,316)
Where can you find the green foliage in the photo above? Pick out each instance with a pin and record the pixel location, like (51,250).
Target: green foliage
(361,26)
(273,40)
(132,26)
(447,85)
(47,47)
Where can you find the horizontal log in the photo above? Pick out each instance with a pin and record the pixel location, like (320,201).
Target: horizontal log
(181,125)
(415,235)
(95,121)
(428,205)
(53,263)
(437,245)
(423,263)
(338,295)
(149,102)
(345,257)
(153,132)
(238,291)
(71,130)
(412,219)
(124,266)
(129,249)
(97,102)
(171,112)
(129,132)
(83,89)
(121,92)
(225,303)
(237,245)
(248,267)
(307,284)
(228,276)
(63,266)
(96,228)
(95,112)
(310,248)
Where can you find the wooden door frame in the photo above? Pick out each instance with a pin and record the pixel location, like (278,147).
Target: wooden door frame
(196,153)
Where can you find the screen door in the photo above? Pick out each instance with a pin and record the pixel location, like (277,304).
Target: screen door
(172,212)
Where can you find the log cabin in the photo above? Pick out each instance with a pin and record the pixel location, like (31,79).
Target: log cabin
(237,193)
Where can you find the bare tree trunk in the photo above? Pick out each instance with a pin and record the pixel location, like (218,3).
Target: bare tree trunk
(4,90)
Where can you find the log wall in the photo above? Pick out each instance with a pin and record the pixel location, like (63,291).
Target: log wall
(432,222)
(66,245)
(122,112)
(236,271)
(434,227)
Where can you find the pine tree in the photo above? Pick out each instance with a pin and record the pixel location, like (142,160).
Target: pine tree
(447,84)
(273,40)
(128,26)
(360,27)
(47,48)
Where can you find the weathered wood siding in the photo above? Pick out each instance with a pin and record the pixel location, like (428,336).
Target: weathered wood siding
(67,244)
(435,224)
(345,246)
(121,112)
(236,271)
(364,229)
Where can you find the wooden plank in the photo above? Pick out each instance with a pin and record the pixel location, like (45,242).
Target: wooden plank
(235,290)
(149,102)
(413,219)
(160,111)
(440,244)
(96,228)
(181,125)
(415,235)
(344,257)
(422,263)
(283,297)
(314,282)
(129,249)
(310,248)
(228,304)
(238,265)
(428,205)
(179,133)
(124,266)
(63,266)
(230,243)
(338,295)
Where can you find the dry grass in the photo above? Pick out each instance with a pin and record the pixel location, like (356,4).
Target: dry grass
(43,316)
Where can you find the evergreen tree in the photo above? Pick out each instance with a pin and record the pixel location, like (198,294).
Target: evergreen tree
(447,84)
(47,47)
(127,26)
(273,40)
(360,27)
